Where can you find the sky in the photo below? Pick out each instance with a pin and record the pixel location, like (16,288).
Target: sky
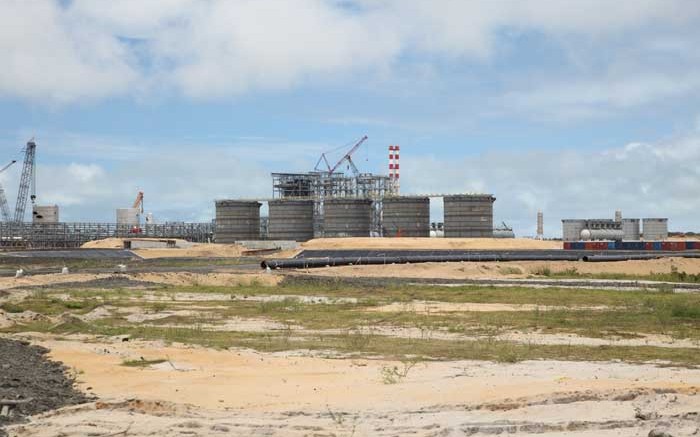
(577,108)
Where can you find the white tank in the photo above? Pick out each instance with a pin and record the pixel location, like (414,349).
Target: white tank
(602,234)
(149,218)
(128,216)
(586,235)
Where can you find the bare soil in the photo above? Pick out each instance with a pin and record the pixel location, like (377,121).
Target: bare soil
(515,269)
(202,392)
(31,382)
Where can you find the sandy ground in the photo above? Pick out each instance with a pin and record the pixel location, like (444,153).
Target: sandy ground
(185,249)
(514,269)
(430,243)
(202,250)
(206,392)
(428,307)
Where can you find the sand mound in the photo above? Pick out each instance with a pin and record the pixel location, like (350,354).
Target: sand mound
(107,243)
(430,243)
(204,250)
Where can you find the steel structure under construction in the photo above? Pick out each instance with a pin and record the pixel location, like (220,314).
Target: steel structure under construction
(73,235)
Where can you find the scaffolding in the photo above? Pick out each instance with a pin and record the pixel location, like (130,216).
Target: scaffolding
(74,235)
(319,186)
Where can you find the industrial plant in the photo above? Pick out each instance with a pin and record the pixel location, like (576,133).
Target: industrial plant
(329,203)
(334,200)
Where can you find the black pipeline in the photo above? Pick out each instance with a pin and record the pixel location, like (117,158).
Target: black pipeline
(306,263)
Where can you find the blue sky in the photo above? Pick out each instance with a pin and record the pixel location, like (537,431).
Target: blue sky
(546,104)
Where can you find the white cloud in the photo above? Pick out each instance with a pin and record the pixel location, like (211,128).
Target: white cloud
(212,49)
(644,180)
(45,56)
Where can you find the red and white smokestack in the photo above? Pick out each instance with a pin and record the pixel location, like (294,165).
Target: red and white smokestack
(394,168)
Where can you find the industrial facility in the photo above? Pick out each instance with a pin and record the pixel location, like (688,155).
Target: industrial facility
(329,203)
(618,229)
(45,230)
(334,200)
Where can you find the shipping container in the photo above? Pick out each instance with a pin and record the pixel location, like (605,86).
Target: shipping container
(673,245)
(611,245)
(577,245)
(567,245)
(657,245)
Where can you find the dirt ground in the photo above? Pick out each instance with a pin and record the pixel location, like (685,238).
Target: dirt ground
(515,269)
(198,391)
(204,392)
(185,249)
(430,243)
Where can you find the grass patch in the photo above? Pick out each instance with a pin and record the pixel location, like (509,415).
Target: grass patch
(142,362)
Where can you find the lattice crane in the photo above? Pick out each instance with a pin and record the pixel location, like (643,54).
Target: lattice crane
(347,157)
(4,208)
(27,182)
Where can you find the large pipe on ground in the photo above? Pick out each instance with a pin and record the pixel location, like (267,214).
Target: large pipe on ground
(304,263)
(307,263)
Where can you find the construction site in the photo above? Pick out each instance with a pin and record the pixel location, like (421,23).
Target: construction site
(347,309)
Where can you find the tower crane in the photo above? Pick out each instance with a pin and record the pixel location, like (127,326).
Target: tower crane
(347,157)
(4,208)
(27,181)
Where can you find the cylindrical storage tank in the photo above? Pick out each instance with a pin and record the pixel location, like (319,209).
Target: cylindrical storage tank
(128,216)
(601,234)
(291,220)
(237,220)
(630,228)
(347,217)
(571,229)
(655,228)
(618,216)
(45,214)
(469,216)
(406,217)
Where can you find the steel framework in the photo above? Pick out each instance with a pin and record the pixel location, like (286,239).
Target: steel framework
(73,235)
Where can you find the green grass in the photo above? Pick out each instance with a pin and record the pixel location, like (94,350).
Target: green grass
(142,362)
(629,314)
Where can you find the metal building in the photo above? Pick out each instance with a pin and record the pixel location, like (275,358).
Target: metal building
(237,220)
(655,228)
(45,214)
(469,215)
(291,220)
(571,229)
(347,217)
(406,217)
(630,229)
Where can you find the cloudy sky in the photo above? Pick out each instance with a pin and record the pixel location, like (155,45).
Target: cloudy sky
(576,107)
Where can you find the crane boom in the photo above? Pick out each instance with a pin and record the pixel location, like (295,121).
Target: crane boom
(27,181)
(138,203)
(4,208)
(348,157)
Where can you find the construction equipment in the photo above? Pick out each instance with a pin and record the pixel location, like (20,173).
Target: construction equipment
(347,157)
(27,182)
(138,203)
(4,208)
